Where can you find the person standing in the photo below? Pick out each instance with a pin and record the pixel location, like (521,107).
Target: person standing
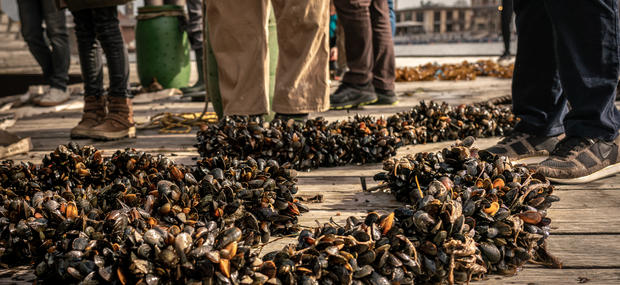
(238,38)
(194,32)
(566,57)
(369,52)
(54,58)
(109,117)
(506,14)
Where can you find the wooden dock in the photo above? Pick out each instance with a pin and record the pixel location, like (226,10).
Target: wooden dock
(586,222)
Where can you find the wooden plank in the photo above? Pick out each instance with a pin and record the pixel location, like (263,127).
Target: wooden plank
(575,251)
(533,275)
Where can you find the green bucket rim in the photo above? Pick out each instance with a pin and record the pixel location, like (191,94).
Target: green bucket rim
(157,9)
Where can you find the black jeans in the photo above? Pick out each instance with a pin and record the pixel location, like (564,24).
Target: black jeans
(100,27)
(55,61)
(506,24)
(565,56)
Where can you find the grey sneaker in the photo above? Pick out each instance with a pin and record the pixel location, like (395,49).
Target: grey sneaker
(349,96)
(54,97)
(577,160)
(521,147)
(385,97)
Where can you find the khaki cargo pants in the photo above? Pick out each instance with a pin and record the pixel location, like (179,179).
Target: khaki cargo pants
(238,36)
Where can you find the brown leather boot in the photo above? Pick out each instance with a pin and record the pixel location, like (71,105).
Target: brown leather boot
(118,123)
(94,113)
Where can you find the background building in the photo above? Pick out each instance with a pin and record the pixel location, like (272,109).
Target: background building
(465,21)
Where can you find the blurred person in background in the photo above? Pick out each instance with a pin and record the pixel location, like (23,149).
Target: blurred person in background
(392,17)
(369,52)
(333,43)
(194,28)
(506,14)
(239,41)
(105,117)
(567,53)
(53,57)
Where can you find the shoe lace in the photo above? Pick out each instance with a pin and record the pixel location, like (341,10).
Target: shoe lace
(571,145)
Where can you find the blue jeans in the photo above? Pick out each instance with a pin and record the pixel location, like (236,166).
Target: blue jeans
(392,16)
(567,57)
(55,61)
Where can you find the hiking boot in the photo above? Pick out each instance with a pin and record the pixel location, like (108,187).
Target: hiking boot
(53,97)
(521,147)
(118,123)
(301,118)
(349,96)
(94,113)
(385,97)
(577,160)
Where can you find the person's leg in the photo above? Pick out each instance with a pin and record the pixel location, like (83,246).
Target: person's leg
(119,122)
(302,73)
(194,32)
(587,48)
(586,45)
(506,15)
(31,15)
(238,38)
(89,52)
(56,28)
(111,40)
(91,64)
(356,88)
(536,93)
(383,46)
(194,25)
(355,19)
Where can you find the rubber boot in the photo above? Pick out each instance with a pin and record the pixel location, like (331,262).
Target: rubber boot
(94,112)
(198,90)
(118,123)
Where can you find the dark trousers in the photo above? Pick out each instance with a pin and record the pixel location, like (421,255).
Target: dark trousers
(95,28)
(506,24)
(368,40)
(194,23)
(55,61)
(567,53)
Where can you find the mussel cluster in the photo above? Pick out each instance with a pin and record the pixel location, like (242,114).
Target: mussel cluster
(470,212)
(462,71)
(358,140)
(138,218)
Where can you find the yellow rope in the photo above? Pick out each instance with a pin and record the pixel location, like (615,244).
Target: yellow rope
(178,123)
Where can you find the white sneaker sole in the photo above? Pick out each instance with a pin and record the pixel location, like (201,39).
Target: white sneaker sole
(605,172)
(530,160)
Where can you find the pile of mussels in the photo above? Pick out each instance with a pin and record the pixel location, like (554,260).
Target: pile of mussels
(471,212)
(138,218)
(462,71)
(362,139)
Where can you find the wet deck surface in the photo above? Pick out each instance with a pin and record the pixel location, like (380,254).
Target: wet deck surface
(586,222)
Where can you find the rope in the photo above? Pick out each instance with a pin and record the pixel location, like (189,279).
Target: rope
(179,123)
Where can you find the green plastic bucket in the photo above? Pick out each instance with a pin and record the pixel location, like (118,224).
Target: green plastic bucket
(162,47)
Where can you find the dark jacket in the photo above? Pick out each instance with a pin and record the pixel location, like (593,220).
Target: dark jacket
(76,5)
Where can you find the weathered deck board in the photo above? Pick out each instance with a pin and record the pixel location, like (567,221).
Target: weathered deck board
(586,222)
(534,275)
